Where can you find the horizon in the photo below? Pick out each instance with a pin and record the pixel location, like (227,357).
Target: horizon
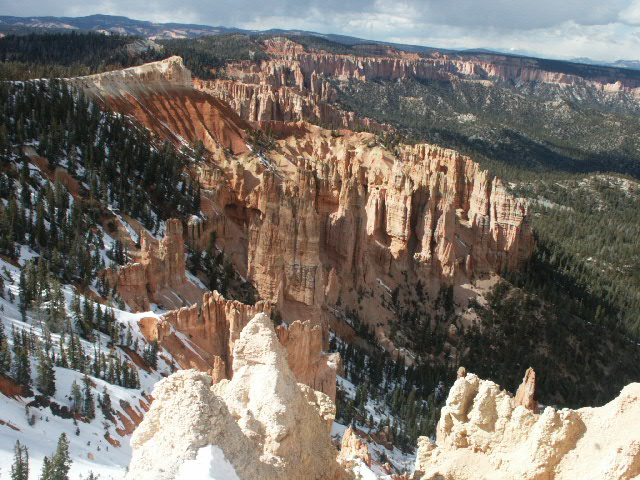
(607,34)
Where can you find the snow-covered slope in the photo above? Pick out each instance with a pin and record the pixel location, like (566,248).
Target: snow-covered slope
(38,428)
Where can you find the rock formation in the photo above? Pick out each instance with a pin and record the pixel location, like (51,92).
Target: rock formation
(326,221)
(159,276)
(211,329)
(484,434)
(526,391)
(352,447)
(266,424)
(160,95)
(295,83)
(203,336)
(305,344)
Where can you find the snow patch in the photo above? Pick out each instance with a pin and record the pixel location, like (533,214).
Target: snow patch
(209,464)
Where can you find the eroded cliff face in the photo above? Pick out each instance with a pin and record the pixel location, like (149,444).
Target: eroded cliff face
(161,96)
(306,345)
(158,276)
(331,220)
(265,423)
(296,83)
(203,337)
(485,433)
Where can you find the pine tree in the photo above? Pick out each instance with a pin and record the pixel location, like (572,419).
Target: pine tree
(46,375)
(76,398)
(150,354)
(61,462)
(105,403)
(20,467)
(22,367)
(47,469)
(57,311)
(24,296)
(88,404)
(5,353)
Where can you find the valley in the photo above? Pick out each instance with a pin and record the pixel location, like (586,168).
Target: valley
(340,228)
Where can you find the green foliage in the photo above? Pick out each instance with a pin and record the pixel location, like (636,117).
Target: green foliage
(120,162)
(20,466)
(204,54)
(57,467)
(511,129)
(60,55)
(407,393)
(46,380)
(260,142)
(518,330)
(88,409)
(587,255)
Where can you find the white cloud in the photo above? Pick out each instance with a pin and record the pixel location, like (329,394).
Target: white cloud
(603,30)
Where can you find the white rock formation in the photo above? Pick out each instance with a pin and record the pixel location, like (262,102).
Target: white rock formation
(154,76)
(266,424)
(483,434)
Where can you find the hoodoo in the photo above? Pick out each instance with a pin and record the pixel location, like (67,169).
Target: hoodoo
(484,433)
(261,423)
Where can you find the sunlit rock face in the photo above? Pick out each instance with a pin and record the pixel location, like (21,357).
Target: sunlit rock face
(484,432)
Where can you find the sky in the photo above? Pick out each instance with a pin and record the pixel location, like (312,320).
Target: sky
(598,29)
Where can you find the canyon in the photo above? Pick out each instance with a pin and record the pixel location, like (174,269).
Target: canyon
(284,304)
(326,221)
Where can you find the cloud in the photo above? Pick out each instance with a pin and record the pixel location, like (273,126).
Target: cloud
(571,28)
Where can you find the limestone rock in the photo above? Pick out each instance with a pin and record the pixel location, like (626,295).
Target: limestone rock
(203,336)
(267,425)
(213,326)
(159,276)
(526,391)
(305,344)
(326,217)
(484,434)
(353,447)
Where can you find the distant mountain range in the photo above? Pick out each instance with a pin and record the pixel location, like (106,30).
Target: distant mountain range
(157,31)
(631,64)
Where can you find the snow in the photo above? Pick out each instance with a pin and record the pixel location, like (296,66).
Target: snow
(209,464)
(363,472)
(89,449)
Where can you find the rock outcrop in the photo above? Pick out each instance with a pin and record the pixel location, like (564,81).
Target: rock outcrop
(161,96)
(203,336)
(341,214)
(266,424)
(484,434)
(213,327)
(352,447)
(525,395)
(296,83)
(305,344)
(159,276)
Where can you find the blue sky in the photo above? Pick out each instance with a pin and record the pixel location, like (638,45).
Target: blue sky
(602,30)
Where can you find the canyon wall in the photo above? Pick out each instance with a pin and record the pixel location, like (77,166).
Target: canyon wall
(485,433)
(161,96)
(333,217)
(296,84)
(324,220)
